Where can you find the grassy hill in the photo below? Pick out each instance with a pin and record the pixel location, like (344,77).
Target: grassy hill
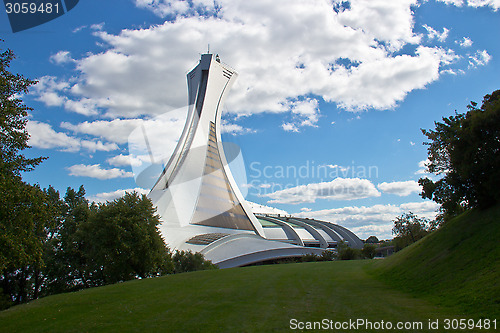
(457,266)
(452,273)
(251,299)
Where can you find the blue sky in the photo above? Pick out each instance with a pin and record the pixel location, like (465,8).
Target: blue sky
(327,108)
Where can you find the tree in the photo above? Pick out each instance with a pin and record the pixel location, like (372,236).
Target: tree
(372,239)
(368,251)
(345,252)
(24,212)
(187,261)
(409,228)
(13,119)
(465,150)
(24,222)
(122,241)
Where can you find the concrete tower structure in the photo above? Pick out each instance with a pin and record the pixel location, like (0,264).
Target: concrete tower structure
(196,195)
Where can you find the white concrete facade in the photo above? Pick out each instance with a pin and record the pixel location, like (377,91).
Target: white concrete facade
(198,200)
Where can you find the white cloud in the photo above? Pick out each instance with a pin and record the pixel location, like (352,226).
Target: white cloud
(164,8)
(162,133)
(337,189)
(116,130)
(480,58)
(458,3)
(465,42)
(95,171)
(42,135)
(283,57)
(289,127)
(53,92)
(110,196)
(124,160)
(402,189)
(374,220)
(234,129)
(97,26)
(432,33)
(305,113)
(494,4)
(62,57)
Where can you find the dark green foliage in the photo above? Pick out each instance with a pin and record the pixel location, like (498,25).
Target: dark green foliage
(372,239)
(67,245)
(25,221)
(24,211)
(187,261)
(121,241)
(5,301)
(345,252)
(13,118)
(368,251)
(328,255)
(409,228)
(106,243)
(465,148)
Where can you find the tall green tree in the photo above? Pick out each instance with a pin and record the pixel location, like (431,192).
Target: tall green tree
(24,213)
(409,228)
(464,150)
(13,118)
(126,243)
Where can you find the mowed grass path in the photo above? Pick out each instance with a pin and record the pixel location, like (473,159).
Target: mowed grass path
(250,299)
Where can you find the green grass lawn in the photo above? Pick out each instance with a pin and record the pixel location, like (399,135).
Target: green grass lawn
(452,273)
(458,266)
(251,299)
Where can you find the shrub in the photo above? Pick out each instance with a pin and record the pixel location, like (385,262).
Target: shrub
(187,261)
(345,252)
(368,251)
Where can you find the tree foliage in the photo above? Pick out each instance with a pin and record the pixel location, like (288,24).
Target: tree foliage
(409,228)
(465,150)
(50,245)
(24,211)
(13,118)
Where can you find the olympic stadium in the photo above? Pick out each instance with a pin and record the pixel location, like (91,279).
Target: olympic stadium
(200,205)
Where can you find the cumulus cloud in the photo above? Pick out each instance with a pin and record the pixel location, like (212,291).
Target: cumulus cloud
(305,113)
(110,196)
(434,34)
(480,58)
(95,171)
(337,189)
(284,57)
(402,189)
(494,4)
(234,129)
(164,8)
(125,160)
(61,57)
(42,135)
(373,220)
(465,42)
(54,92)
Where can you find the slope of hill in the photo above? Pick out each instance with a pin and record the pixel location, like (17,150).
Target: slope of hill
(456,266)
(250,299)
(452,273)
